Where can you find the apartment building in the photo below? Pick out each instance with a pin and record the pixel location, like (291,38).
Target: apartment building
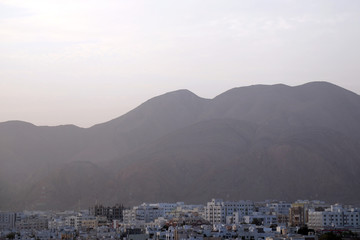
(7,220)
(217,210)
(111,213)
(278,208)
(335,216)
(32,222)
(143,213)
(264,219)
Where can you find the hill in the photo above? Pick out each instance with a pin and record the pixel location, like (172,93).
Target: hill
(255,142)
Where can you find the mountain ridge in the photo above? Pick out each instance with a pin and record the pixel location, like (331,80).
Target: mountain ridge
(181,147)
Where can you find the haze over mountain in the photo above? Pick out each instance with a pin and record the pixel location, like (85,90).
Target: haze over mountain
(255,142)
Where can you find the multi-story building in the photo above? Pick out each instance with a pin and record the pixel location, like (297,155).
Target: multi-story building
(83,221)
(73,221)
(32,222)
(143,213)
(129,216)
(278,208)
(166,207)
(89,222)
(146,212)
(7,220)
(217,210)
(179,208)
(57,223)
(264,219)
(298,214)
(111,213)
(335,216)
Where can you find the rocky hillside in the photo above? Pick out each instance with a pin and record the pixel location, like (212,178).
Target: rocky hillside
(255,142)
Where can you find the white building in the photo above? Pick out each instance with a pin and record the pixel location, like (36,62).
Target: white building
(166,207)
(335,216)
(278,208)
(56,223)
(82,221)
(264,219)
(129,216)
(143,213)
(73,221)
(217,210)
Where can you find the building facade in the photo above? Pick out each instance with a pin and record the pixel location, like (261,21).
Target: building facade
(7,220)
(111,213)
(217,210)
(143,213)
(335,216)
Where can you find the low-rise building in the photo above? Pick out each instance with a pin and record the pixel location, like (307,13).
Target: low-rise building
(263,219)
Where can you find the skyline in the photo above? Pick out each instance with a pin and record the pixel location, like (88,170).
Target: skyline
(85,63)
(126,111)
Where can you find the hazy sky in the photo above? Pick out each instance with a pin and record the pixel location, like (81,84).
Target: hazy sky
(84,62)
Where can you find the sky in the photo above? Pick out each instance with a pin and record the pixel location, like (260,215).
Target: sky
(85,62)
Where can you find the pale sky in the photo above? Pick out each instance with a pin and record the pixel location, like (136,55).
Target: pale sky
(85,62)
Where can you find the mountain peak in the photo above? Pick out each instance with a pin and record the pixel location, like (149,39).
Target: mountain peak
(281,133)
(258,88)
(319,83)
(17,123)
(181,93)
(323,86)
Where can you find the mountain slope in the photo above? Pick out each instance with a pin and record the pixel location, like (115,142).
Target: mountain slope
(151,120)
(313,104)
(253,142)
(239,160)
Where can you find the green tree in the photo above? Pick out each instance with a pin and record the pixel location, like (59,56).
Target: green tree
(303,230)
(329,236)
(11,235)
(256,221)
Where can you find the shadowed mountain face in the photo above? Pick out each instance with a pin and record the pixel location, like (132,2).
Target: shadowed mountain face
(256,142)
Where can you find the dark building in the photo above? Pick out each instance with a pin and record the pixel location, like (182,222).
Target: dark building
(111,213)
(298,215)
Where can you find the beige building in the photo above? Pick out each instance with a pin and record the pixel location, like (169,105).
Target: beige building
(89,223)
(298,215)
(217,210)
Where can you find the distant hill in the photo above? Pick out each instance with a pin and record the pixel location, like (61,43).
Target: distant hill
(255,142)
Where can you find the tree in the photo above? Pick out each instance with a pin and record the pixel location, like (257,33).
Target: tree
(273,226)
(256,221)
(11,235)
(303,230)
(329,236)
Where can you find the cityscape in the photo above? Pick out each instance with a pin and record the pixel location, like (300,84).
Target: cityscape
(180,120)
(216,219)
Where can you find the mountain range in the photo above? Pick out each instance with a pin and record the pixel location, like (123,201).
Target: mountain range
(257,142)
